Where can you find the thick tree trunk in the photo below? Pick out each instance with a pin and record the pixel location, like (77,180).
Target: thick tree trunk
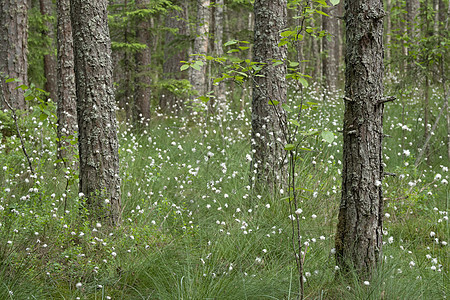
(13,50)
(143,60)
(359,230)
(66,91)
(97,141)
(198,77)
(268,140)
(50,64)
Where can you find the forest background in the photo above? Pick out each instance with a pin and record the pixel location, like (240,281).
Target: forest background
(192,226)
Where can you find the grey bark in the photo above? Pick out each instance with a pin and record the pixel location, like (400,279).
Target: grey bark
(50,64)
(198,77)
(66,91)
(97,141)
(13,50)
(143,60)
(359,229)
(268,140)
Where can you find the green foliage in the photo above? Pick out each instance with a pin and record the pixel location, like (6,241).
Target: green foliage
(39,44)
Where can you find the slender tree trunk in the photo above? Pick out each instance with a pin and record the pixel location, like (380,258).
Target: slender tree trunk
(329,69)
(198,77)
(359,230)
(174,53)
(388,30)
(143,60)
(98,143)
(13,50)
(66,91)
(268,139)
(50,64)
(218,48)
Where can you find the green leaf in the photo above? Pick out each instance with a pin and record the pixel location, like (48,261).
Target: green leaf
(289,147)
(334,2)
(273,102)
(196,66)
(328,136)
(303,82)
(277,63)
(43,117)
(283,42)
(286,107)
(293,64)
(244,48)
(322,13)
(295,122)
(184,67)
(287,33)
(229,43)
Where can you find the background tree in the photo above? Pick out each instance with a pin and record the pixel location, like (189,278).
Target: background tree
(97,138)
(50,64)
(66,100)
(359,229)
(268,139)
(198,77)
(143,60)
(13,49)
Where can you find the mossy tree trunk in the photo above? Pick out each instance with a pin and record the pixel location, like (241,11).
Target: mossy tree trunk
(268,139)
(97,141)
(359,230)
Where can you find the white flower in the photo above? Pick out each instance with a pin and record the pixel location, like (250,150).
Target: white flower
(432,233)
(298,211)
(114,254)
(437,177)
(406,152)
(78,285)
(366,282)
(377,182)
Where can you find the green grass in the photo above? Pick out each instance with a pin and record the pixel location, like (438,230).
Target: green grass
(193,229)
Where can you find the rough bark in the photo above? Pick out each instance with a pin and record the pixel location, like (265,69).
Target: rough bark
(66,91)
(268,139)
(50,64)
(359,230)
(97,141)
(143,60)
(176,51)
(198,77)
(13,50)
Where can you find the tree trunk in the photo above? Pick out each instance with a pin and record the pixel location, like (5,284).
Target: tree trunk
(359,230)
(329,69)
(218,48)
(50,64)
(13,50)
(198,77)
(170,102)
(268,139)
(143,60)
(97,141)
(66,91)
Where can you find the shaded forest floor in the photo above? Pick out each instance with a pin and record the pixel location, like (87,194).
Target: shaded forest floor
(192,227)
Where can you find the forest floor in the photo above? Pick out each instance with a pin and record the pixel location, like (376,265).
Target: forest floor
(192,228)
